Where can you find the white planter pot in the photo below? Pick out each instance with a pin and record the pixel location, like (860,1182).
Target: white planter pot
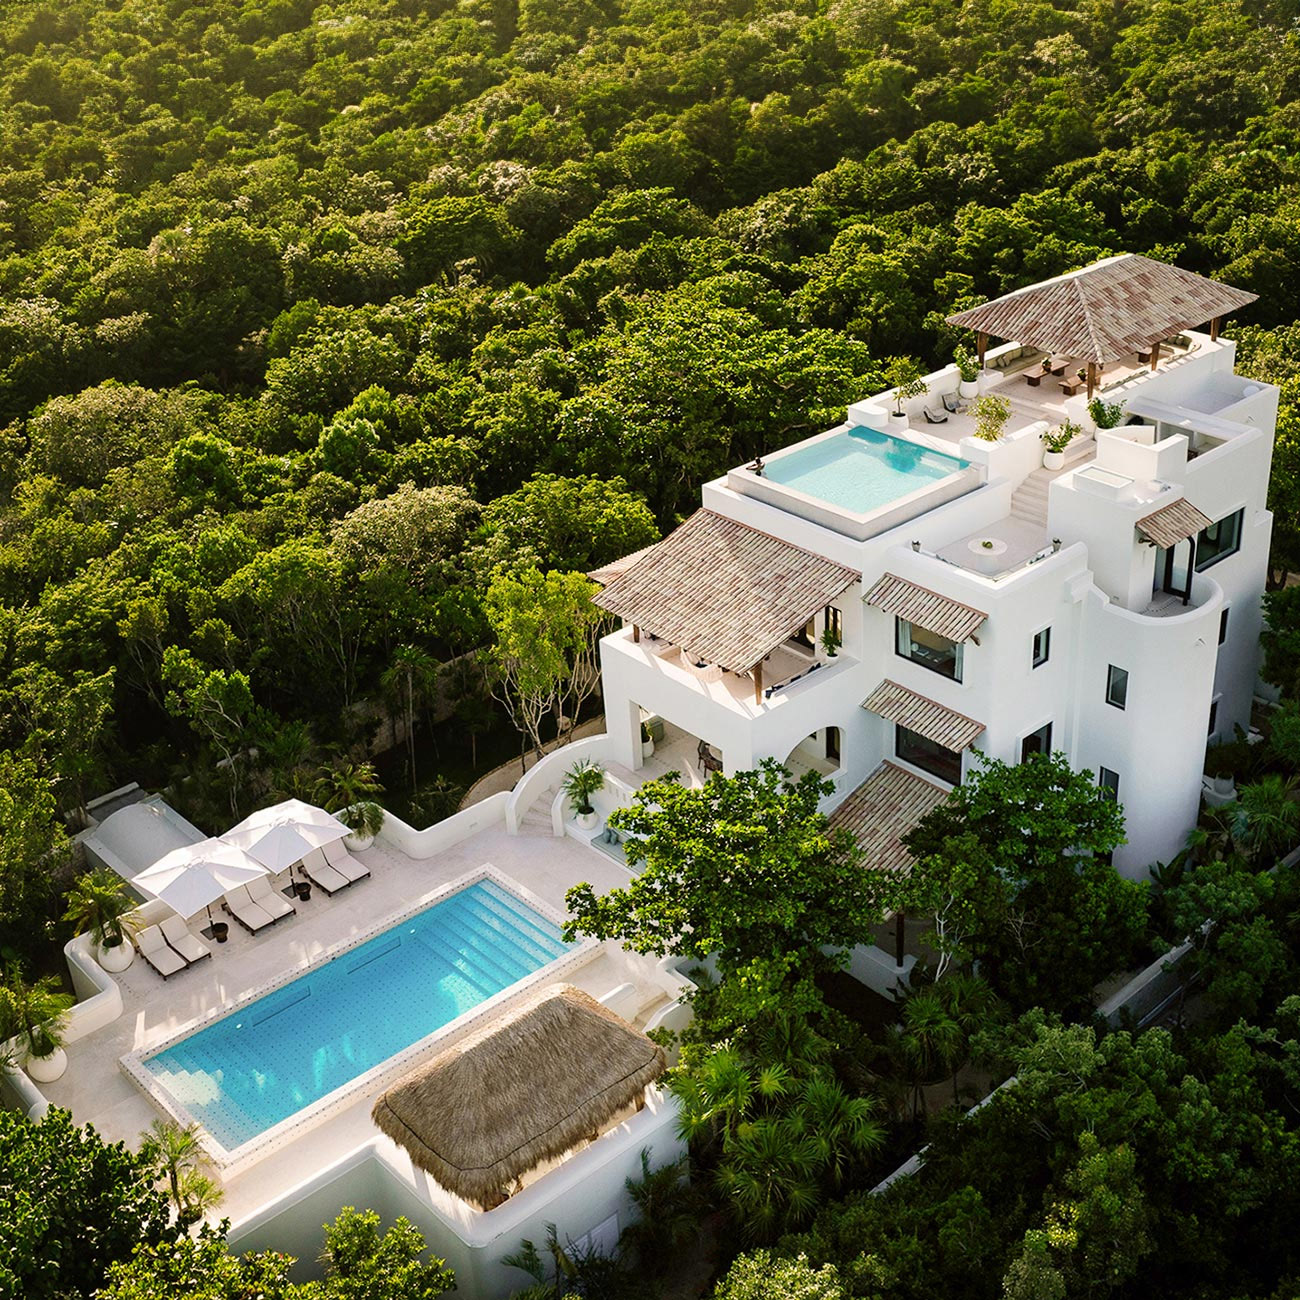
(115,959)
(587,820)
(357,842)
(968,388)
(46,1069)
(1053,459)
(1224,785)
(899,422)
(647,747)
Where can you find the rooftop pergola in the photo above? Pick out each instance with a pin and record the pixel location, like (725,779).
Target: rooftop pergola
(1103,312)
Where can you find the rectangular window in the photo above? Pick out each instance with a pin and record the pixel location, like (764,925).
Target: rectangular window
(1219,540)
(928,649)
(1109,781)
(804,636)
(1042,647)
(834,622)
(1117,686)
(1037,742)
(1223,625)
(922,752)
(1214,718)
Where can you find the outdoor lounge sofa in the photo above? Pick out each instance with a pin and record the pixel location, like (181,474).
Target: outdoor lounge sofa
(321,874)
(153,947)
(269,900)
(252,916)
(344,863)
(182,941)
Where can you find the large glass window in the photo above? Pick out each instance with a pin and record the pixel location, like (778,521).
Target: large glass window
(1037,742)
(928,649)
(834,622)
(1042,647)
(1117,686)
(1219,540)
(930,757)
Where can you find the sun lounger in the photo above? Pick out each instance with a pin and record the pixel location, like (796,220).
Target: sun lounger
(182,942)
(322,875)
(153,948)
(269,899)
(933,417)
(951,403)
(344,863)
(252,916)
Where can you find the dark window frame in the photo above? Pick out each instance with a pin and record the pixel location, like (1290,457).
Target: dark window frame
(1037,660)
(1108,780)
(1041,740)
(1209,537)
(1117,685)
(958,652)
(1223,623)
(931,757)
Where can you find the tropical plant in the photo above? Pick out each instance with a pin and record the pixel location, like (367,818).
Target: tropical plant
(905,376)
(410,679)
(967,363)
(1105,415)
(991,413)
(575,1270)
(99,902)
(668,1214)
(929,1043)
(1266,816)
(581,781)
(178,1162)
(831,642)
(34,1013)
(434,801)
(1059,437)
(349,790)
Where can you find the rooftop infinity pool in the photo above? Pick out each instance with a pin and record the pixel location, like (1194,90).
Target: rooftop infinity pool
(861,470)
(272,1057)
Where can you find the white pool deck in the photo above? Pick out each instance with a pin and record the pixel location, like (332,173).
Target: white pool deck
(98,1092)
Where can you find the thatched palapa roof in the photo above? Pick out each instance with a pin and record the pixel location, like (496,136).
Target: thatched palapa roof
(1105,311)
(529,1086)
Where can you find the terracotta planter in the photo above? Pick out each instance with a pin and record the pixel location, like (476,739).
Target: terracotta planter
(116,958)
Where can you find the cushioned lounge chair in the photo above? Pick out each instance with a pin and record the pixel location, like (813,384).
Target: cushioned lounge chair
(252,916)
(154,949)
(264,894)
(322,875)
(182,942)
(344,863)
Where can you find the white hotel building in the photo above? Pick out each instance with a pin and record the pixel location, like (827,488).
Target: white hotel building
(1109,608)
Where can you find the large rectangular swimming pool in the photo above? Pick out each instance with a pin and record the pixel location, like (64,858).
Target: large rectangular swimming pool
(270,1058)
(860,469)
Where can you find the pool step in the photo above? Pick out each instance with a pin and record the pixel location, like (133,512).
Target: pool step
(543,941)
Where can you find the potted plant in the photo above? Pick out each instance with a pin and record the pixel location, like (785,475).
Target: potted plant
(1105,415)
(1221,764)
(349,791)
(99,903)
(830,642)
(35,1016)
(1055,441)
(991,414)
(903,375)
(968,371)
(647,740)
(581,781)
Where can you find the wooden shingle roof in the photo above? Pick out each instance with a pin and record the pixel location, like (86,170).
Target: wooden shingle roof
(1107,310)
(617,568)
(1173,524)
(723,591)
(925,608)
(931,719)
(887,805)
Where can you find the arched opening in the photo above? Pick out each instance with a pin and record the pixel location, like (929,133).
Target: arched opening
(820,751)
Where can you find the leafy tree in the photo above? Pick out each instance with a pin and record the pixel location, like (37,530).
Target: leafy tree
(33,847)
(176,1158)
(61,1184)
(760,1275)
(743,870)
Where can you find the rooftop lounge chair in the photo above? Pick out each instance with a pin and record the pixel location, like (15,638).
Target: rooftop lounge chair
(269,899)
(252,916)
(182,942)
(344,863)
(153,948)
(322,875)
(951,403)
(933,417)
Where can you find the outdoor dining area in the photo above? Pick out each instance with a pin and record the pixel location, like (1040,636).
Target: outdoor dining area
(257,874)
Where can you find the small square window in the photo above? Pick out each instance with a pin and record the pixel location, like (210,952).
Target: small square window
(1117,686)
(1109,781)
(1037,742)
(1042,647)
(1223,625)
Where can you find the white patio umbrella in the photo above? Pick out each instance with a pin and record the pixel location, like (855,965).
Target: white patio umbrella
(282,834)
(195,876)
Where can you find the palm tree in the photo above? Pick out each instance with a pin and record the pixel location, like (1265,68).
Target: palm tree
(1266,817)
(410,676)
(844,1128)
(972,1004)
(98,902)
(350,790)
(929,1041)
(668,1214)
(181,1165)
(770,1175)
(36,1014)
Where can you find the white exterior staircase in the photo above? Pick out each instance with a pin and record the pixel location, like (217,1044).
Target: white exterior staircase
(537,820)
(1029,501)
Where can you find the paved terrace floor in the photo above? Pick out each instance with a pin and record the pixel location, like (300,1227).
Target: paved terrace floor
(97,1091)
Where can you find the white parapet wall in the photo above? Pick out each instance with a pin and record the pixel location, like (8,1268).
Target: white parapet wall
(439,837)
(548,771)
(585,1197)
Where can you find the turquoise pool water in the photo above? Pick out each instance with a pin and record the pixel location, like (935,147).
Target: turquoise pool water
(262,1063)
(861,470)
